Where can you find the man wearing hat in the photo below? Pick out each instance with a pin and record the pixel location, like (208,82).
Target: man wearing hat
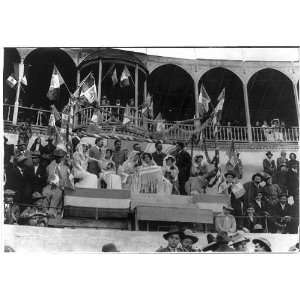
(38,172)
(95,152)
(239,243)
(269,164)
(173,237)
(188,240)
(261,245)
(252,187)
(159,156)
(225,222)
(47,151)
(271,191)
(222,241)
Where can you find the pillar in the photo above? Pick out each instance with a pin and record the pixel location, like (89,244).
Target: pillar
(296,100)
(16,107)
(99,81)
(78,77)
(145,90)
(196,99)
(136,92)
(247,112)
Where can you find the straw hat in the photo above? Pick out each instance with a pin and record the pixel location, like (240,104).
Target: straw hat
(263,242)
(187,234)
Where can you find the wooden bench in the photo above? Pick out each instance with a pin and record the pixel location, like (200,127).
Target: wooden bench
(173,214)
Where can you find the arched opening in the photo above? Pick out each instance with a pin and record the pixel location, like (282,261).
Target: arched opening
(214,81)
(11,58)
(172,89)
(40,64)
(271,96)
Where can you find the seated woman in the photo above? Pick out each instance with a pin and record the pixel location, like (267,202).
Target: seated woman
(108,173)
(170,172)
(80,160)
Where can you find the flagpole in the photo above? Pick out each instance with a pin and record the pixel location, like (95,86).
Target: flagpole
(16,106)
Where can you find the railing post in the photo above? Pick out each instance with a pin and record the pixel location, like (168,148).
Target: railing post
(16,107)
(136,93)
(247,112)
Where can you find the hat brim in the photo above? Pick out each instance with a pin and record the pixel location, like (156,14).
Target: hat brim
(192,237)
(241,240)
(231,174)
(257,174)
(166,235)
(228,208)
(262,242)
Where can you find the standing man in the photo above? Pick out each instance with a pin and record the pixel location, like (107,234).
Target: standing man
(96,153)
(119,155)
(269,164)
(271,191)
(39,173)
(159,156)
(183,163)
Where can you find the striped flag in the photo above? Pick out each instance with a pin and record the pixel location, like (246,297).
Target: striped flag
(55,83)
(11,81)
(87,90)
(203,101)
(217,114)
(124,79)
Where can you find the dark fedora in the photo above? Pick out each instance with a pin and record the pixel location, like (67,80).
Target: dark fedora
(269,153)
(187,234)
(173,230)
(264,242)
(230,173)
(59,153)
(257,174)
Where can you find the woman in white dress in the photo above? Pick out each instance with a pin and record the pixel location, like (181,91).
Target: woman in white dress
(80,163)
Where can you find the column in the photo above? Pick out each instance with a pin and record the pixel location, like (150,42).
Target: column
(296,99)
(99,81)
(16,107)
(78,77)
(136,93)
(247,112)
(145,90)
(196,122)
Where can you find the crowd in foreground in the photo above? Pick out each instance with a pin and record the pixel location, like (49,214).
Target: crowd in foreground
(37,176)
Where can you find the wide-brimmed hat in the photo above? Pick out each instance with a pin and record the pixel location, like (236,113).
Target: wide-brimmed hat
(59,153)
(228,207)
(257,174)
(238,238)
(172,158)
(188,234)
(269,153)
(37,196)
(231,173)
(263,241)
(173,230)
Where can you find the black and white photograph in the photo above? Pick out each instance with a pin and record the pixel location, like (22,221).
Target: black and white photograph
(151,149)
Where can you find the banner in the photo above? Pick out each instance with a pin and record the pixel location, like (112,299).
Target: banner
(124,80)
(55,83)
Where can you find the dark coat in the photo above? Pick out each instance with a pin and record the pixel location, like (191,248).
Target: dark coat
(269,167)
(293,177)
(93,166)
(183,163)
(47,153)
(251,193)
(159,158)
(38,178)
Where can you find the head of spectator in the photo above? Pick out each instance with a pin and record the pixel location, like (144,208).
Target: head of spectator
(283,199)
(261,245)
(292,156)
(239,242)
(103,100)
(257,124)
(38,140)
(108,154)
(188,240)
(222,238)
(199,159)
(210,238)
(117,145)
(110,247)
(257,178)
(137,147)
(230,177)
(265,123)
(35,158)
(268,179)
(147,157)
(250,211)
(228,123)
(227,210)
(99,142)
(259,196)
(170,160)
(59,155)
(269,155)
(158,146)
(283,154)
(174,237)
(50,140)
(21,146)
(179,146)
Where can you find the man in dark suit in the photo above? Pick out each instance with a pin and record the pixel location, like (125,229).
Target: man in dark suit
(158,155)
(95,153)
(183,163)
(38,173)
(47,151)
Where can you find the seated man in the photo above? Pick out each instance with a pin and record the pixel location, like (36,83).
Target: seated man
(174,237)
(225,222)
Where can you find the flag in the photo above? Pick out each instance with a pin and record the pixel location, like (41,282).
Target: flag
(217,113)
(124,79)
(11,81)
(87,89)
(55,83)
(159,123)
(126,118)
(16,73)
(233,159)
(203,101)
(114,77)
(55,113)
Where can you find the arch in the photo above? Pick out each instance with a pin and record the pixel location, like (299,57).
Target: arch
(172,89)
(40,64)
(271,96)
(214,80)
(11,59)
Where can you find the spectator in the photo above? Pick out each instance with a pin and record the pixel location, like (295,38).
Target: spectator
(271,191)
(47,151)
(25,133)
(188,240)
(252,223)
(170,172)
(110,247)
(284,216)
(199,167)
(269,164)
(22,150)
(225,221)
(119,156)
(282,178)
(252,188)
(282,160)
(261,245)
(222,241)
(95,154)
(174,237)
(8,152)
(36,145)
(137,147)
(158,155)
(293,177)
(183,162)
(239,243)
(39,173)
(262,209)
(268,132)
